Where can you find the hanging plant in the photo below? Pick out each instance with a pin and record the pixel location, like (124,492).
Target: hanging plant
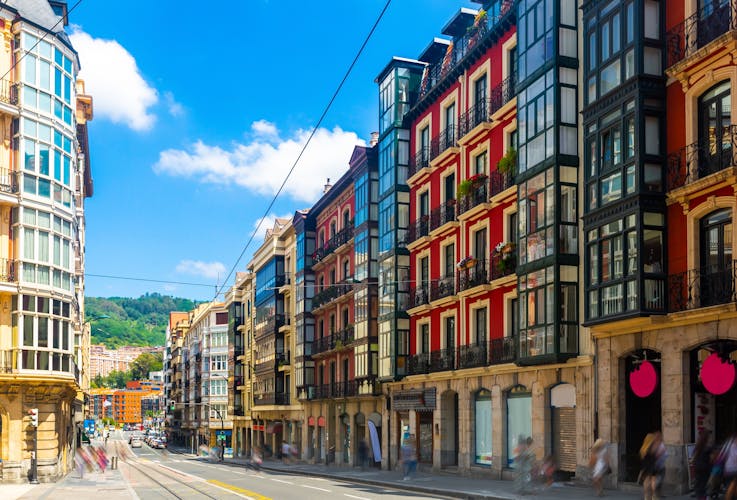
(508,162)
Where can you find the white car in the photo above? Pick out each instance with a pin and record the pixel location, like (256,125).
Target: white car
(136,442)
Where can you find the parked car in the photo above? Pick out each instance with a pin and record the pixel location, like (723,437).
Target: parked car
(136,442)
(158,443)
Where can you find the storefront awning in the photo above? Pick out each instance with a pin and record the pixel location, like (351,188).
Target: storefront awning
(274,427)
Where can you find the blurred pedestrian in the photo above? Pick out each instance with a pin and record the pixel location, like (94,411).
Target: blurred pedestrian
(409,457)
(651,454)
(257,458)
(702,464)
(524,461)
(286,452)
(599,464)
(363,453)
(730,467)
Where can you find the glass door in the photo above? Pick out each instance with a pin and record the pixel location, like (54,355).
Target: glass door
(716,282)
(715,141)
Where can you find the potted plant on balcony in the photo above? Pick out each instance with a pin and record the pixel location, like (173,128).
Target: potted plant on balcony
(508,162)
(468,186)
(466,263)
(505,255)
(474,31)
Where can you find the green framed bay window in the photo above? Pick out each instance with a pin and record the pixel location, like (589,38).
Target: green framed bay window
(548,315)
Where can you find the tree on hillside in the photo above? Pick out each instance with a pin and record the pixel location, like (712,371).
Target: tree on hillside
(145,363)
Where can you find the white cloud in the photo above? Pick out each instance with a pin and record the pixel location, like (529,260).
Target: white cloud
(261,165)
(210,270)
(264,129)
(175,109)
(114,81)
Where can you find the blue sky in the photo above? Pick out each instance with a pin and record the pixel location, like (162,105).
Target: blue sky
(200,110)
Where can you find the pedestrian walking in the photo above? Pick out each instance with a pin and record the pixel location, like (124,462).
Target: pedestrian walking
(524,461)
(599,464)
(257,458)
(652,455)
(702,465)
(409,457)
(286,452)
(730,467)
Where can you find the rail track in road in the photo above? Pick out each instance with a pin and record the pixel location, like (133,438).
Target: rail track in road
(130,460)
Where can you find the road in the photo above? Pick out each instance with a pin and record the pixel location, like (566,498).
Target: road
(158,474)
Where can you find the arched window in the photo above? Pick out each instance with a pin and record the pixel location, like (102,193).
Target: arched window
(716,257)
(482,433)
(715,132)
(346,219)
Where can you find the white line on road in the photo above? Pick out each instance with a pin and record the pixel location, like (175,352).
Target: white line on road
(280,481)
(317,478)
(354,496)
(237,472)
(314,487)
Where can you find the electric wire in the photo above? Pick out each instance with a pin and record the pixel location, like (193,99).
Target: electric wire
(23,53)
(131,278)
(220,289)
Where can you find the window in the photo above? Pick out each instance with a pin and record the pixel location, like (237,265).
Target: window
(480,325)
(218,387)
(716,273)
(482,427)
(449,260)
(424,347)
(479,163)
(219,362)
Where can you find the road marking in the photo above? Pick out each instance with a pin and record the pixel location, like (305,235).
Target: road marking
(317,478)
(280,481)
(314,487)
(237,472)
(238,491)
(354,496)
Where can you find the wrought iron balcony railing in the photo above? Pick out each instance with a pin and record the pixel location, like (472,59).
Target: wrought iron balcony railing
(336,340)
(503,263)
(478,193)
(8,181)
(492,352)
(331,293)
(8,271)
(500,182)
(9,92)
(435,361)
(497,12)
(337,390)
(447,139)
(419,295)
(442,287)
(269,326)
(475,116)
(473,274)
(341,238)
(700,159)
(708,23)
(419,228)
(280,398)
(704,287)
(443,214)
(502,94)
(419,160)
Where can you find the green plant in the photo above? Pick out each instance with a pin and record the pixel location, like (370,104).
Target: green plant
(508,162)
(464,188)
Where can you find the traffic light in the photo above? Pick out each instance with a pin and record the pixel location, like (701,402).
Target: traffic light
(172,405)
(33,412)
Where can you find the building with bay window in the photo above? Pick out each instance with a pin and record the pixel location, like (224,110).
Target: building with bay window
(45,177)
(660,176)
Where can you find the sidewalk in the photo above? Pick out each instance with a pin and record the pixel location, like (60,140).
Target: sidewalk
(441,484)
(109,484)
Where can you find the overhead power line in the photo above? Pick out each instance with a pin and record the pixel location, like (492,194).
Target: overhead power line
(220,289)
(131,278)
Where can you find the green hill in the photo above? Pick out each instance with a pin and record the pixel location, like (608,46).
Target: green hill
(135,322)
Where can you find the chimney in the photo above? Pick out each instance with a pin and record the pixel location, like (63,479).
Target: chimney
(327,186)
(374,139)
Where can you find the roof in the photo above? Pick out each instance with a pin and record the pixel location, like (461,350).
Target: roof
(38,12)
(435,51)
(460,22)
(398,61)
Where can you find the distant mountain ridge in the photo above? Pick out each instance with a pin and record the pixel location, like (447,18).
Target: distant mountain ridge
(135,322)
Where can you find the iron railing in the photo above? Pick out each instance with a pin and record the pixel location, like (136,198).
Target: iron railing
(442,287)
(270,326)
(443,214)
(331,293)
(473,275)
(696,31)
(8,181)
(333,341)
(435,361)
(704,287)
(419,295)
(502,264)
(491,352)
(419,228)
(419,160)
(475,116)
(9,92)
(341,238)
(280,398)
(446,139)
(700,159)
(502,94)
(500,182)
(8,271)
(496,14)
(337,390)
(478,194)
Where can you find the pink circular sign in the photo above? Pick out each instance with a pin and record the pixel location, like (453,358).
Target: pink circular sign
(643,379)
(717,374)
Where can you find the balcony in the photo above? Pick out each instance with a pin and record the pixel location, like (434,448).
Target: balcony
(503,261)
(9,92)
(270,326)
(337,390)
(502,94)
(442,287)
(699,29)
(447,139)
(331,293)
(341,238)
(8,181)
(444,214)
(336,340)
(419,160)
(8,271)
(498,13)
(493,352)
(500,182)
(475,116)
(435,361)
(419,228)
(473,192)
(271,399)
(704,287)
(239,411)
(419,295)
(698,160)
(473,273)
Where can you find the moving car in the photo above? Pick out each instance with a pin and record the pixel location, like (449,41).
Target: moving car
(136,442)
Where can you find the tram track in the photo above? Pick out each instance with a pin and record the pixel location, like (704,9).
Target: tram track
(131,460)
